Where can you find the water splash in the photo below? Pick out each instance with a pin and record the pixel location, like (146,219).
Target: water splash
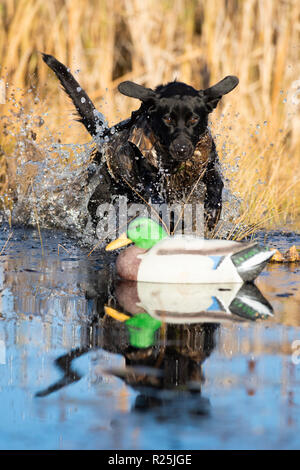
(54,181)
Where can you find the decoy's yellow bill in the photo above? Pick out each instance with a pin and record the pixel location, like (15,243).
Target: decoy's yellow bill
(118,243)
(115,314)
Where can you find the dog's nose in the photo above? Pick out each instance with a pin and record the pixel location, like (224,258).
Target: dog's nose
(181,150)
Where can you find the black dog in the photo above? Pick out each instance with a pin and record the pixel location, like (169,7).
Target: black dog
(164,152)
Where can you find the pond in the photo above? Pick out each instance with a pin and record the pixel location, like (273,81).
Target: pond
(74,376)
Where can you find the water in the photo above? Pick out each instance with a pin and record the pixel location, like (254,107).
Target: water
(71,378)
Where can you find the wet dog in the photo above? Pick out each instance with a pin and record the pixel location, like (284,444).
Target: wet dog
(163,153)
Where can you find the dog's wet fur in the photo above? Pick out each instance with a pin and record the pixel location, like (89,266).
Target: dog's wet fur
(174,119)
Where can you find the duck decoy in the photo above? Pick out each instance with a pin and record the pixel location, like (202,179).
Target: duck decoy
(158,258)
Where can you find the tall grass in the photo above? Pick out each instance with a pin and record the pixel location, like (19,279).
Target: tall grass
(104,42)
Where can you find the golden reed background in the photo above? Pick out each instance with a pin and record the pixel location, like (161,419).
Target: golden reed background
(104,42)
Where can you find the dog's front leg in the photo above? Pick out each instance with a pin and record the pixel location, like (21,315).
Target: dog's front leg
(142,176)
(213,197)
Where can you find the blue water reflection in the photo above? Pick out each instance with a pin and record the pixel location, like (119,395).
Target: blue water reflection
(219,386)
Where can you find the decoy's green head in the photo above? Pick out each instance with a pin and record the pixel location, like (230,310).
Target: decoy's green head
(142,231)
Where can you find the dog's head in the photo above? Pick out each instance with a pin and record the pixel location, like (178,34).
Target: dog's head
(178,114)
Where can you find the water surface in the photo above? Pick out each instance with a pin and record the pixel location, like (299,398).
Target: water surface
(72,377)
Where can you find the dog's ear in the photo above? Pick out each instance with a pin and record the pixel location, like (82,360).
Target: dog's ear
(213,94)
(136,91)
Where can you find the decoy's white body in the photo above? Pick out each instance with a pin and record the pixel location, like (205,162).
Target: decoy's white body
(191,260)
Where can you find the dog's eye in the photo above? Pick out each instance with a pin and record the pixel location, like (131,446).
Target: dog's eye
(168,120)
(193,120)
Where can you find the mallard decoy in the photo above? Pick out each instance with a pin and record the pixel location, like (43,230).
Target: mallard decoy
(159,258)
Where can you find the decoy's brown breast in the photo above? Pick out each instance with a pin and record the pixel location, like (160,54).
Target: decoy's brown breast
(128,263)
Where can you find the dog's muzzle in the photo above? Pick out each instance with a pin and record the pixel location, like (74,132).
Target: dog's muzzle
(181,149)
